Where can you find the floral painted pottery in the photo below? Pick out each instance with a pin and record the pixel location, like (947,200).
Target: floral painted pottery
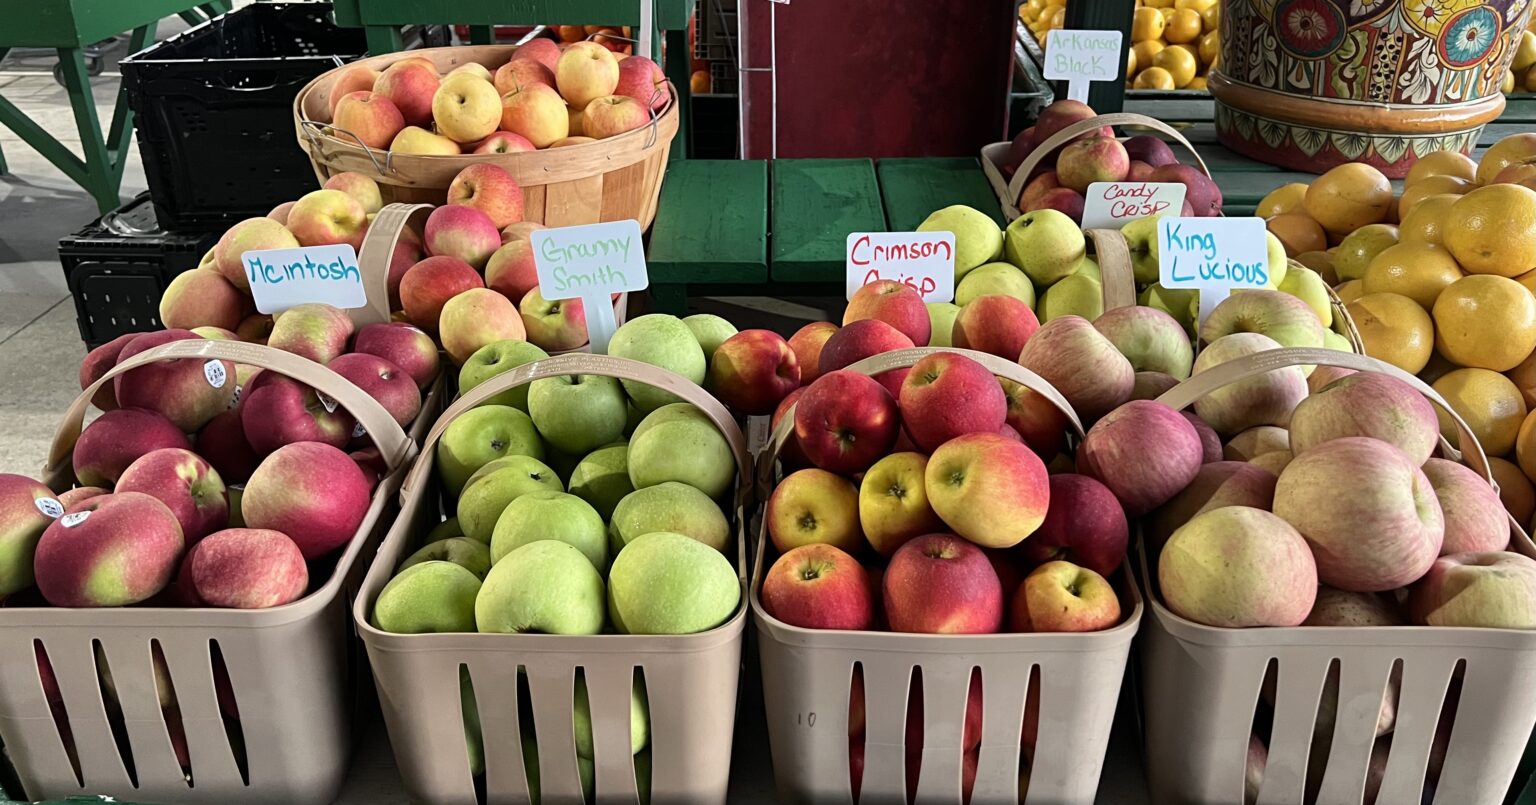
(1310,84)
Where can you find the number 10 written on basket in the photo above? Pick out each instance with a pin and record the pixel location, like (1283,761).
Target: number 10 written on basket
(591,263)
(1213,256)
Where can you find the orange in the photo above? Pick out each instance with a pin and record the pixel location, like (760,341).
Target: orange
(1322,263)
(1492,230)
(1350,291)
(1297,233)
(1348,197)
(1488,402)
(1441,163)
(1183,26)
(1514,148)
(1210,19)
(1210,48)
(1130,61)
(1419,271)
(1424,223)
(1395,329)
(1155,78)
(1144,51)
(1146,26)
(1283,199)
(699,82)
(1430,186)
(1515,489)
(1360,247)
(1179,63)
(1485,321)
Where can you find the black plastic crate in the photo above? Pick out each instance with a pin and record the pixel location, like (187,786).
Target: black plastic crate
(119,266)
(214,110)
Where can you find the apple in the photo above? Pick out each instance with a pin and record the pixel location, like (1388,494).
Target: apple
(404,345)
(586,71)
(790,455)
(419,141)
(1144,451)
(669,506)
(27,508)
(1046,244)
(97,363)
(577,414)
(813,506)
(475,69)
(576,118)
(664,583)
(464,232)
(537,113)
(491,190)
(642,79)
(1081,363)
(1151,385)
(710,331)
(1210,440)
(187,391)
(846,421)
(543,51)
(948,395)
(893,502)
(1202,194)
(367,118)
(511,270)
(991,490)
(521,73)
(1064,200)
(678,442)
(1084,525)
(246,568)
(202,297)
(384,382)
(1267,399)
(612,115)
(278,410)
(549,515)
(522,230)
(315,331)
(352,78)
(466,108)
(408,251)
(639,726)
(255,329)
(113,550)
(188,486)
(427,286)
(807,344)
(819,587)
(1092,159)
(1150,339)
(1367,404)
(1344,608)
(941,584)
(1059,596)
(1037,420)
(1238,566)
(428,597)
(1275,461)
(326,217)
(312,492)
(1366,509)
(493,487)
(463,551)
(1217,484)
(1257,441)
(893,303)
(1063,113)
(495,358)
(410,85)
(1276,314)
(475,318)
(752,371)
(941,321)
(555,324)
(478,437)
(544,587)
(997,325)
(116,439)
(1475,521)
(659,340)
(1150,150)
(858,340)
(601,478)
(1494,590)
(503,142)
(358,186)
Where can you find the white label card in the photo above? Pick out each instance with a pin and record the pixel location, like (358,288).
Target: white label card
(283,278)
(591,263)
(1212,255)
(1082,57)
(1110,205)
(922,261)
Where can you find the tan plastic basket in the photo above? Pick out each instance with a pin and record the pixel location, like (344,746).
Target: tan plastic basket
(609,180)
(1201,685)
(690,680)
(807,672)
(291,669)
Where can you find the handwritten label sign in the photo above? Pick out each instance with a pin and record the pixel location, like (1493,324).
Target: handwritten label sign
(591,263)
(1213,255)
(922,261)
(1082,57)
(1108,205)
(282,278)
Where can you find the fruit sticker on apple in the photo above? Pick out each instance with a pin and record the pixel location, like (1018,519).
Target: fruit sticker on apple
(1212,255)
(1082,57)
(328,274)
(922,261)
(591,263)
(1111,205)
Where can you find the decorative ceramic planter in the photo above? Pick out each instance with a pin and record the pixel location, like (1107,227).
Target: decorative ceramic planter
(1310,84)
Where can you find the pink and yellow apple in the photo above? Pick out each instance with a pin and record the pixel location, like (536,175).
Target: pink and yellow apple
(410,85)
(586,71)
(491,190)
(997,325)
(202,297)
(612,115)
(859,340)
(893,502)
(27,508)
(188,486)
(1267,399)
(807,343)
(326,217)
(1082,364)
(314,331)
(1366,404)
(1144,451)
(752,371)
(477,317)
(522,73)
(1475,521)
(463,232)
(1084,525)
(1238,566)
(1495,590)
(990,489)
(895,304)
(417,140)
(367,118)
(941,584)
(429,284)
(553,324)
(511,269)
(537,113)
(252,234)
(1218,484)
(818,586)
(543,51)
(113,550)
(314,493)
(948,395)
(353,78)
(360,187)
(1059,596)
(503,142)
(814,507)
(642,79)
(466,108)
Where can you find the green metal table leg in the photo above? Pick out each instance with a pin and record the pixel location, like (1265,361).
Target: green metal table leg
(99,173)
(191,17)
(677,66)
(383,39)
(3,169)
(120,132)
(482,35)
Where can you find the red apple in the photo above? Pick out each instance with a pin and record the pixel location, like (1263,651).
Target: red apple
(383,381)
(188,485)
(818,587)
(246,568)
(222,442)
(114,550)
(752,371)
(859,340)
(491,190)
(997,325)
(948,395)
(279,410)
(893,303)
(98,362)
(941,584)
(1084,525)
(312,492)
(807,343)
(846,421)
(1036,419)
(429,284)
(403,345)
(118,438)
(183,389)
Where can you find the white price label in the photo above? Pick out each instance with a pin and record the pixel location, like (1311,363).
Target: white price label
(1212,255)
(214,371)
(72,520)
(325,400)
(922,261)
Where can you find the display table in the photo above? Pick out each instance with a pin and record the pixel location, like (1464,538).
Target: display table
(68,26)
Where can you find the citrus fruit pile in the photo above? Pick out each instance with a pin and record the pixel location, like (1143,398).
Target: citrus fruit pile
(1522,69)
(1174,43)
(1440,278)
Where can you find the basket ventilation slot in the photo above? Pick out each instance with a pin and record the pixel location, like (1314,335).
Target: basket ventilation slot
(55,699)
(114,711)
(914,754)
(170,711)
(856,727)
(224,689)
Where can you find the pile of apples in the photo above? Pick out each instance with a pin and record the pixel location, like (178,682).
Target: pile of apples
(547,95)
(1059,181)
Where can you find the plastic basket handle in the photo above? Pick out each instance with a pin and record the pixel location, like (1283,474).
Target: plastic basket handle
(1060,138)
(1117,278)
(378,251)
(395,447)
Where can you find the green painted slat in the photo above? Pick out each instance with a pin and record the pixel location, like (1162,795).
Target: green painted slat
(913,188)
(816,204)
(73,23)
(670,14)
(712,223)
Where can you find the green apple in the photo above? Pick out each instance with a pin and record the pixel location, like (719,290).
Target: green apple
(995,279)
(1081,294)
(710,331)
(1279,263)
(1150,339)
(487,497)
(1141,237)
(941,322)
(584,768)
(1046,245)
(632,418)
(462,551)
(577,413)
(1306,285)
(677,442)
(659,340)
(544,587)
(480,436)
(643,776)
(977,238)
(551,515)
(495,358)
(429,597)
(1183,305)
(665,583)
(1360,247)
(474,740)
(1332,340)
(639,719)
(669,506)
(602,478)
(1283,317)
(561,462)
(445,530)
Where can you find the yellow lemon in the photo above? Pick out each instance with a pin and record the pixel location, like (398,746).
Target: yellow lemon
(1281,200)
(1419,271)
(1425,222)
(1155,78)
(1210,48)
(1360,247)
(1348,197)
(1525,52)
(1144,51)
(1430,186)
(1210,19)
(1147,25)
(1492,230)
(1441,163)
(1489,403)
(1507,151)
(1485,321)
(1350,291)
(1183,26)
(1394,329)
(1181,66)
